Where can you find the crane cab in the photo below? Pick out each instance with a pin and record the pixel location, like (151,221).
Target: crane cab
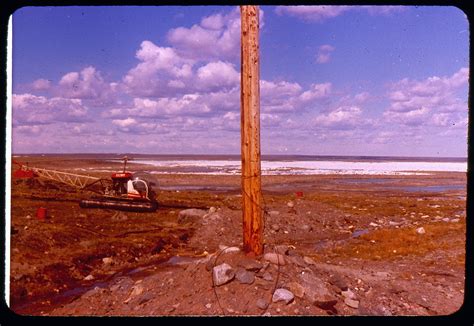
(127,185)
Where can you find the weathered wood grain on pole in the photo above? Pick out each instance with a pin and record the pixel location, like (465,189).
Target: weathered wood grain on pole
(250,131)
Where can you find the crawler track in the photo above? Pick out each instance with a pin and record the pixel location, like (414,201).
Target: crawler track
(118,204)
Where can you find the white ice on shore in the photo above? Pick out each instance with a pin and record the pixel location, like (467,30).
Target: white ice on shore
(229,167)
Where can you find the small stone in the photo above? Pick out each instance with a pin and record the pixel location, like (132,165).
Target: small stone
(191,215)
(262,304)
(296,288)
(306,228)
(274,258)
(348,294)
(208,306)
(283,295)
(454,220)
(290,204)
(351,303)
(107,260)
(222,274)
(267,276)
(212,210)
(228,250)
(274,213)
(275,227)
(373,224)
(28,216)
(89,277)
(250,264)
(446,219)
(420,230)
(244,276)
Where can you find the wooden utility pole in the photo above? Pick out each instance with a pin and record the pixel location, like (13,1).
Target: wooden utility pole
(250,131)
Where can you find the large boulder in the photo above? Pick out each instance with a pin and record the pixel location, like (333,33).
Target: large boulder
(315,290)
(283,295)
(222,274)
(274,258)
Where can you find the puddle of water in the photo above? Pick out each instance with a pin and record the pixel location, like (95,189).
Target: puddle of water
(438,188)
(384,182)
(358,233)
(365,180)
(180,261)
(143,271)
(200,188)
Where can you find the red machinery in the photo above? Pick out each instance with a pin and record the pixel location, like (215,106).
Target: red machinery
(125,190)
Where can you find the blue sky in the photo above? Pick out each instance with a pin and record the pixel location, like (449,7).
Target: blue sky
(335,80)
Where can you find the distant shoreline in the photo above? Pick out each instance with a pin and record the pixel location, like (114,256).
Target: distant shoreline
(276,157)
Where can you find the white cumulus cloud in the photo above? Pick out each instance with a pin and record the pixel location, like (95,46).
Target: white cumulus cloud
(217,75)
(41,84)
(86,84)
(340,118)
(434,100)
(320,14)
(216,37)
(29,109)
(312,13)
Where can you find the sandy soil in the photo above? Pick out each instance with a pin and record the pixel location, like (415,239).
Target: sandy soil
(351,245)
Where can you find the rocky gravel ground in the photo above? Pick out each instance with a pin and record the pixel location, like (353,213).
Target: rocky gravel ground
(331,248)
(304,271)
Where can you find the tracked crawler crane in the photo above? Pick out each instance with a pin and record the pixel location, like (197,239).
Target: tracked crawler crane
(124,191)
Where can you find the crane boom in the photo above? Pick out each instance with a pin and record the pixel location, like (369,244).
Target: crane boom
(75,180)
(72,179)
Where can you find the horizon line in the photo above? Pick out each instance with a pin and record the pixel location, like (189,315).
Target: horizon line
(262,155)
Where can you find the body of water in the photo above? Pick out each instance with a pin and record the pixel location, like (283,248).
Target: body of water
(304,165)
